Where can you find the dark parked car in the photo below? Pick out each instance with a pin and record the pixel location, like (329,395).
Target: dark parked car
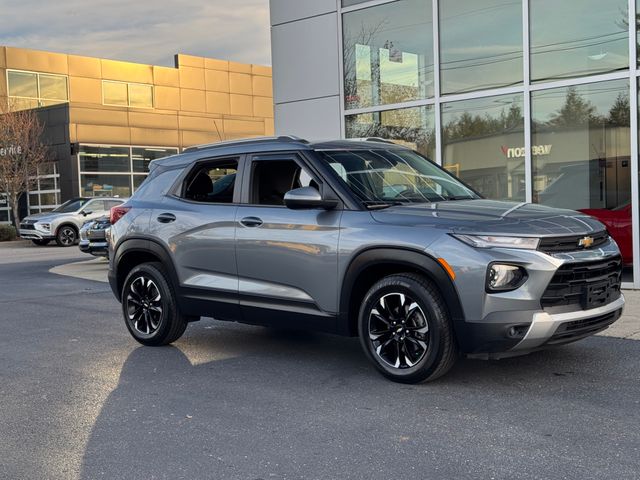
(93,237)
(359,238)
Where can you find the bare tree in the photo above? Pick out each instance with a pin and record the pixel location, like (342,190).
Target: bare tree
(21,153)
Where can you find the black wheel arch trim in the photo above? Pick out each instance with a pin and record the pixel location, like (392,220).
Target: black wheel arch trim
(414,259)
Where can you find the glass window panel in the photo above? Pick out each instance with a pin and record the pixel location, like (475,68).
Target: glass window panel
(23,84)
(578,37)
(53,87)
(483,144)
(4,215)
(388,53)
(140,95)
(104,159)
(48,199)
(34,200)
(348,3)
(137,181)
(413,127)
(114,93)
(583,160)
(143,156)
(480,44)
(104,185)
(48,183)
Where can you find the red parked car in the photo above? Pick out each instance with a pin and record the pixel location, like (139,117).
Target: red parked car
(618,222)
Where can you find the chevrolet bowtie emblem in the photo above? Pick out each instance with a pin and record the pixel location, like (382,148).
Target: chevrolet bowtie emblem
(585,242)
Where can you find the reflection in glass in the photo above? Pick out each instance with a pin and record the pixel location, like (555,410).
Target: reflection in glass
(140,95)
(586,163)
(22,84)
(413,127)
(143,156)
(104,159)
(104,185)
(573,38)
(480,44)
(348,3)
(483,144)
(114,93)
(388,53)
(53,87)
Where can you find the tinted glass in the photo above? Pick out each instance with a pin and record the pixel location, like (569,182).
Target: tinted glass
(53,87)
(577,37)
(141,157)
(394,176)
(104,159)
(114,93)
(388,53)
(49,198)
(212,183)
(140,95)
(583,160)
(22,84)
(412,127)
(483,144)
(480,44)
(104,185)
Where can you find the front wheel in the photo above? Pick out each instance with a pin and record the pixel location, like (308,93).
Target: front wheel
(66,236)
(405,329)
(149,306)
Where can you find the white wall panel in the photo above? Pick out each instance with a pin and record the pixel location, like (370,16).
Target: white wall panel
(317,119)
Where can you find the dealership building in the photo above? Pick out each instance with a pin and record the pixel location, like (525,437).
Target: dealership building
(105,120)
(525,100)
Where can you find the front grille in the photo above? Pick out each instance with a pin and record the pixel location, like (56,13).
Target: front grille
(571,243)
(577,329)
(584,284)
(27,226)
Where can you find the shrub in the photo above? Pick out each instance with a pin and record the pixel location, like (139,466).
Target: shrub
(7,233)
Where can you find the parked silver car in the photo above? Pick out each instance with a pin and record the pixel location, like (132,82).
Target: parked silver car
(63,224)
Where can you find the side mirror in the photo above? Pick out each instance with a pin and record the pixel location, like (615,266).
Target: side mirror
(307,198)
(87,212)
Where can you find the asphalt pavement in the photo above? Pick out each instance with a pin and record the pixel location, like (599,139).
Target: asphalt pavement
(80,399)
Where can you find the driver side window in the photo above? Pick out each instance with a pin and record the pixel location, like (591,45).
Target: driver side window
(272,179)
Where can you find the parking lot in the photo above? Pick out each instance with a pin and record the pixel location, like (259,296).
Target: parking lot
(81,399)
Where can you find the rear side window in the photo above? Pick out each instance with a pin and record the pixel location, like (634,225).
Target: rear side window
(212,182)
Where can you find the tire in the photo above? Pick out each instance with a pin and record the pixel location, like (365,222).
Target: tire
(405,329)
(66,236)
(40,243)
(150,319)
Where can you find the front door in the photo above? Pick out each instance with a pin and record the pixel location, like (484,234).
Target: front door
(287,259)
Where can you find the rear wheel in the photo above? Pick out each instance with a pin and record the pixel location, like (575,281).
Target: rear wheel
(66,236)
(405,329)
(40,243)
(149,306)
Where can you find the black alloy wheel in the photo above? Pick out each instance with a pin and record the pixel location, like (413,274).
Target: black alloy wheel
(66,236)
(149,306)
(405,329)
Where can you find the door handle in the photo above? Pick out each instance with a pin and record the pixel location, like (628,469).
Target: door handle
(251,221)
(166,218)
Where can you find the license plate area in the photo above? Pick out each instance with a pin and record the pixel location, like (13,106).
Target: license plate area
(596,295)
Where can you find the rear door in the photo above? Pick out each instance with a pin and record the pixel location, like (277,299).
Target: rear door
(287,259)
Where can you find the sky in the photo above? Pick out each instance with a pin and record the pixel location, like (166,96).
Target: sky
(145,31)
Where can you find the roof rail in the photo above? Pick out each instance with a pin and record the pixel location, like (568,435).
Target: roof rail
(282,138)
(379,139)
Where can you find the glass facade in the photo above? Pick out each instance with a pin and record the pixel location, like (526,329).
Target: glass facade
(524,100)
(45,191)
(127,94)
(107,170)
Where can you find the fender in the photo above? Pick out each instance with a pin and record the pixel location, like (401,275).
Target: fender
(413,259)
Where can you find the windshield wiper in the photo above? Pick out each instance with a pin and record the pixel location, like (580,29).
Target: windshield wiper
(379,205)
(459,197)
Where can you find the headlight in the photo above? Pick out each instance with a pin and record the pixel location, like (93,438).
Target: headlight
(490,241)
(504,278)
(44,226)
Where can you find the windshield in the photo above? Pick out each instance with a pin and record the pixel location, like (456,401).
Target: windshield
(384,177)
(70,206)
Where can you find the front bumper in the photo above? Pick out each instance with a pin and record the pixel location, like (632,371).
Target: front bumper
(96,248)
(35,235)
(556,329)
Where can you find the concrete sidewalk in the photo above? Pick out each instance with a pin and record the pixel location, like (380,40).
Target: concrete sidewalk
(627,327)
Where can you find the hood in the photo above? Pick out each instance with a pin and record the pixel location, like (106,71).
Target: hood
(491,217)
(44,217)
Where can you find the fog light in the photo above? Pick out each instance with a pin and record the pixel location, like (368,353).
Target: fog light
(504,278)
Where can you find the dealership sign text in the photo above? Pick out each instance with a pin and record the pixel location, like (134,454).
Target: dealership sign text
(10,150)
(518,152)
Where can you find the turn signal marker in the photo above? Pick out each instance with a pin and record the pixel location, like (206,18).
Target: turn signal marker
(447,268)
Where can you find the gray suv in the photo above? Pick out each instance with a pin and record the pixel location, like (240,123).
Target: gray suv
(64,223)
(360,238)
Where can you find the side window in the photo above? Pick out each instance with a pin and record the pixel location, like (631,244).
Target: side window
(212,182)
(111,203)
(94,206)
(271,179)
